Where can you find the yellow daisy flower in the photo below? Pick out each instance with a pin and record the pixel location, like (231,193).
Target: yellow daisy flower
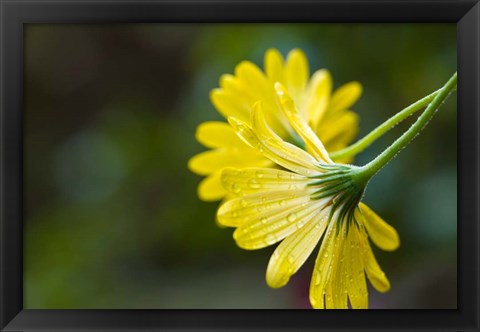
(324,110)
(312,198)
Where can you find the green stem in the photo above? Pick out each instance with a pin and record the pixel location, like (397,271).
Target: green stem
(366,141)
(367,171)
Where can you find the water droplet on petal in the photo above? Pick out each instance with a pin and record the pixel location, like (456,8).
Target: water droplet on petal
(317,279)
(254,184)
(235,188)
(260,174)
(291,217)
(263,220)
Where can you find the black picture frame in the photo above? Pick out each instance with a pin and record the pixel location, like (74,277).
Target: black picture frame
(16,13)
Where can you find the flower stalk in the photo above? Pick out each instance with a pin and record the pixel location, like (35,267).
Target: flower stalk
(366,172)
(389,124)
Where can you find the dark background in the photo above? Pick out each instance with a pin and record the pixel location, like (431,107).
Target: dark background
(112,218)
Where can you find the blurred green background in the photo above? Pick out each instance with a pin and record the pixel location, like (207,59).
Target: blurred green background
(112,219)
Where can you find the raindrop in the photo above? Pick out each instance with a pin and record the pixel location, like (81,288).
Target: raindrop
(260,174)
(317,279)
(291,217)
(263,220)
(254,184)
(240,128)
(235,188)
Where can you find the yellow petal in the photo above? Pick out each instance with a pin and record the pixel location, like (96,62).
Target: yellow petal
(321,270)
(268,228)
(345,96)
(229,104)
(274,65)
(208,162)
(256,85)
(238,94)
(253,78)
(296,73)
(254,179)
(294,251)
(225,198)
(271,141)
(318,97)
(243,209)
(357,286)
(374,272)
(216,134)
(381,233)
(277,151)
(338,282)
(242,93)
(300,125)
(211,189)
(338,131)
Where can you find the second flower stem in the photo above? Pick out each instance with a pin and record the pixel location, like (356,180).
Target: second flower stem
(366,141)
(369,170)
